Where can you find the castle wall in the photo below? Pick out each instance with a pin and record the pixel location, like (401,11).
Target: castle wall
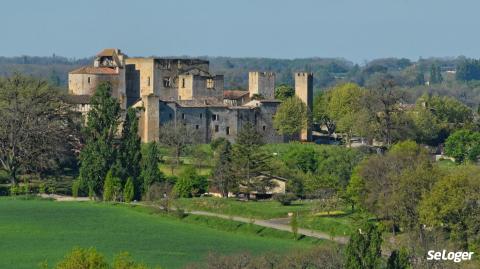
(264,122)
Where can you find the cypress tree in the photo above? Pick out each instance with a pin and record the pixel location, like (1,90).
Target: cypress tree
(98,155)
(363,250)
(128,191)
(150,172)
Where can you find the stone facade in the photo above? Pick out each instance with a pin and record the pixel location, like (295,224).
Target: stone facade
(185,92)
(304,91)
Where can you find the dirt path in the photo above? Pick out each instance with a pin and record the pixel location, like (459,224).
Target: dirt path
(278,224)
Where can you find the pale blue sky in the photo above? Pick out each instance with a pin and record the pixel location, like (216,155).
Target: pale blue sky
(357,30)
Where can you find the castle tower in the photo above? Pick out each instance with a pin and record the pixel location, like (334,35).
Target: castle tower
(304,91)
(262,83)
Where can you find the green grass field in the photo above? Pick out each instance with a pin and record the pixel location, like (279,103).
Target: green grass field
(250,209)
(32,231)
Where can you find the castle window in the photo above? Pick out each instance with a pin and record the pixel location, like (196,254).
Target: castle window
(170,115)
(201,115)
(264,128)
(215,117)
(196,127)
(166,82)
(210,83)
(148,81)
(88,80)
(216,128)
(227,130)
(183,83)
(183,116)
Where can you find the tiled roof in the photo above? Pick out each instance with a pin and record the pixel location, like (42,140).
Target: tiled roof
(107,52)
(77,99)
(234,94)
(95,70)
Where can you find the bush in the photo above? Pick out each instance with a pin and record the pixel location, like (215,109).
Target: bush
(285,199)
(190,183)
(111,187)
(75,188)
(80,258)
(42,188)
(128,191)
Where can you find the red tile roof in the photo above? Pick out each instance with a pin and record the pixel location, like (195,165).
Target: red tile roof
(94,70)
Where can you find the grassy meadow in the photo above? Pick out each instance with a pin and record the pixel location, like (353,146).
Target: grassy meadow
(33,231)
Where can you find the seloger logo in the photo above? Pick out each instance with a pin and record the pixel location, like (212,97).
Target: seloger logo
(449,256)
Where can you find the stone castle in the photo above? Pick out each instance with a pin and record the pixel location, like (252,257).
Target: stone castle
(184,91)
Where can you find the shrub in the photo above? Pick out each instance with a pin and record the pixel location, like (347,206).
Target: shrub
(128,191)
(285,199)
(42,188)
(190,183)
(80,258)
(14,190)
(75,188)
(111,187)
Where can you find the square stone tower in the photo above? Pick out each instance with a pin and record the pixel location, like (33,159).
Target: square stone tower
(304,91)
(262,83)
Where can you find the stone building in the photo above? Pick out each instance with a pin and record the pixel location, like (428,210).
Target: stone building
(184,91)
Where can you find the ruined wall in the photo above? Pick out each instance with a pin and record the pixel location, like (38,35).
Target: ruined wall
(304,91)
(262,83)
(141,76)
(87,84)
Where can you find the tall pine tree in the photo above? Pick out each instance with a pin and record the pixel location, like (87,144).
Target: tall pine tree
(364,248)
(129,153)
(222,173)
(251,163)
(98,155)
(150,171)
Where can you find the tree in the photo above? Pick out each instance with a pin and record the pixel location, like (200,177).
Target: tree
(321,112)
(364,248)
(385,186)
(129,153)
(435,74)
(292,117)
(99,154)
(222,175)
(463,145)
(388,119)
(129,191)
(36,126)
(190,183)
(399,259)
(283,92)
(178,137)
(111,187)
(345,108)
(452,205)
(80,258)
(150,172)
(251,161)
(468,69)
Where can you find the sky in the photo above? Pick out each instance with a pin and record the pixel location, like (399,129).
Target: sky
(357,30)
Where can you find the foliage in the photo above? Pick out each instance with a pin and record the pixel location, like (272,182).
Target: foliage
(435,74)
(99,154)
(150,172)
(129,153)
(80,258)
(463,145)
(294,225)
(399,259)
(251,161)
(344,107)
(222,174)
(36,126)
(468,69)
(385,182)
(363,250)
(321,111)
(190,184)
(284,92)
(452,205)
(292,117)
(111,188)
(129,191)
(75,188)
(284,198)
